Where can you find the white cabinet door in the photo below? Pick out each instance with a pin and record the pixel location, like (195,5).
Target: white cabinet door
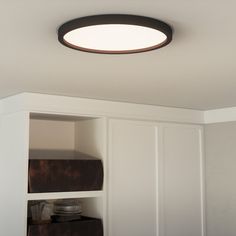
(132,178)
(181,180)
(155,179)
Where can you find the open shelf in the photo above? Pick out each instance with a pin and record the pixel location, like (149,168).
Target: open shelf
(55,138)
(68,133)
(72,141)
(90,206)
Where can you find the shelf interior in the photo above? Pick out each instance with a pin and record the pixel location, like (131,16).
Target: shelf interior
(91,207)
(67,134)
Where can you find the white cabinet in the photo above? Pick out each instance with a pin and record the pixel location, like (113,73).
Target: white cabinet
(153,172)
(23,131)
(156,179)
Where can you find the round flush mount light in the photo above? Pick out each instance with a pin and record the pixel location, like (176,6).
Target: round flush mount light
(115,34)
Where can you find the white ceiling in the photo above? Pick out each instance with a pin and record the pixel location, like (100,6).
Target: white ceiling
(197,70)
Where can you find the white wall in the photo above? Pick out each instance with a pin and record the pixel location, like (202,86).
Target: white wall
(220,147)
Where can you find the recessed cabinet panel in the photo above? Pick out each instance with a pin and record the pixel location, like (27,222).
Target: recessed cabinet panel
(181,177)
(132,188)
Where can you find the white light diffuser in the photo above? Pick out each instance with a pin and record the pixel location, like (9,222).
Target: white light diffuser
(115,37)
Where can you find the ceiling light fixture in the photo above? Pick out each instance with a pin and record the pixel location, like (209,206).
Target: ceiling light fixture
(115,34)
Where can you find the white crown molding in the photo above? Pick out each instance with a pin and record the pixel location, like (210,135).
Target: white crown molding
(43,103)
(220,115)
(1,107)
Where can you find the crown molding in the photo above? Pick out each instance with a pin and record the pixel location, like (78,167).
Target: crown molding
(43,103)
(220,115)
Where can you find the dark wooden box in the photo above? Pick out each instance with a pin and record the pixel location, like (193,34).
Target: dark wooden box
(84,227)
(65,175)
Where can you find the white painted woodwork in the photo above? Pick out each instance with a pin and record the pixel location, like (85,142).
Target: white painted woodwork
(220,115)
(59,195)
(181,180)
(52,104)
(18,134)
(132,177)
(90,137)
(71,106)
(13,173)
(1,107)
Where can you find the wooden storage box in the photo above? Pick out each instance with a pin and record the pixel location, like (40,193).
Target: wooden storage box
(63,175)
(85,227)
